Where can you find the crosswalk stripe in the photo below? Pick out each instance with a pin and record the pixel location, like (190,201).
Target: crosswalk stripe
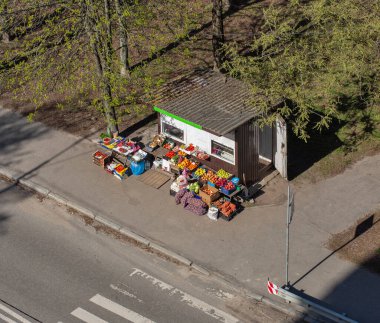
(85,316)
(119,310)
(186,298)
(13,314)
(6,319)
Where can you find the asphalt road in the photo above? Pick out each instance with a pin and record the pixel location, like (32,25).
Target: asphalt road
(54,268)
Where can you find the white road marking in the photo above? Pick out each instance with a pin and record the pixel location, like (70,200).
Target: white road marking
(125,292)
(13,314)
(220,294)
(6,319)
(186,298)
(119,310)
(85,316)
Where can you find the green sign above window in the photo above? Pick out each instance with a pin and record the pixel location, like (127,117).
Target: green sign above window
(176,117)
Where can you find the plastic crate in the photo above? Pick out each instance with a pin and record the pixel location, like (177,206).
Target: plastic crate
(227,218)
(211,184)
(227,192)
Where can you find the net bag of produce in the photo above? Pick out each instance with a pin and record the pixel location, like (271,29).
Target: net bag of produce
(186,197)
(179,195)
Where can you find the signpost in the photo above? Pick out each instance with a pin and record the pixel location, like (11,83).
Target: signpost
(289,215)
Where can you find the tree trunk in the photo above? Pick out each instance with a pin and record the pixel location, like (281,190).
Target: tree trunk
(102,50)
(4,36)
(217,33)
(123,39)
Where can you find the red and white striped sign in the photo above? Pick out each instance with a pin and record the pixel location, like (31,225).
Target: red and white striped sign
(272,288)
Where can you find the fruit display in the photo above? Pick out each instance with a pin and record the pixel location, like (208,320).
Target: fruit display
(199,172)
(229,186)
(227,208)
(176,149)
(120,169)
(221,182)
(223,174)
(192,166)
(210,176)
(107,140)
(184,163)
(170,154)
(182,153)
(190,148)
(168,145)
(100,155)
(100,158)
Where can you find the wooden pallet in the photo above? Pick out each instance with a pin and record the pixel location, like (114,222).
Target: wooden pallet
(154,178)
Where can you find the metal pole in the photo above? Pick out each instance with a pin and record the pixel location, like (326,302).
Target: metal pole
(287,239)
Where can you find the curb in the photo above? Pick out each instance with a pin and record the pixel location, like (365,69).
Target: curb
(108,223)
(134,236)
(17,178)
(170,254)
(81,209)
(58,198)
(34,186)
(8,173)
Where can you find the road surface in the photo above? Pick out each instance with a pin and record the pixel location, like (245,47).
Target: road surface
(54,268)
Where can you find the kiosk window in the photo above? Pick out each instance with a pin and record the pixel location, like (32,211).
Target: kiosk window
(172,131)
(222,151)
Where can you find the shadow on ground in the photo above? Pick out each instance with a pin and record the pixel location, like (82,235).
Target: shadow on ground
(357,293)
(14,132)
(3,219)
(356,296)
(302,155)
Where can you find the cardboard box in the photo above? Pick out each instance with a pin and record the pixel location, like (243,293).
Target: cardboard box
(209,198)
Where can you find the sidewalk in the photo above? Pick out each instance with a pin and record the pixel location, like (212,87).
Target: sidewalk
(247,250)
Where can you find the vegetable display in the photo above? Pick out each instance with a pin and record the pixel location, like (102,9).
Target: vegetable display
(227,208)
(194,187)
(206,190)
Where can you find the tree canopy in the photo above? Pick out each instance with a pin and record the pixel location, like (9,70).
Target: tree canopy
(81,49)
(312,58)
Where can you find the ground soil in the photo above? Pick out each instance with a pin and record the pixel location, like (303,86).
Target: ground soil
(360,243)
(83,121)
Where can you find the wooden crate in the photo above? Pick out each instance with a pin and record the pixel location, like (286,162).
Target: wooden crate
(208,199)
